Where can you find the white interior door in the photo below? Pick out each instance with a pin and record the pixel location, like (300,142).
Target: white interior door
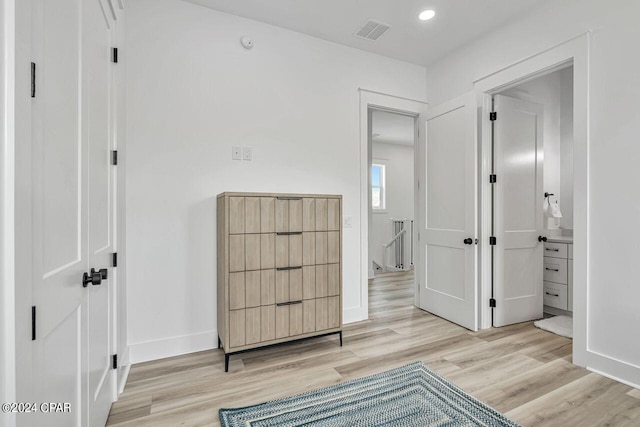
(59,212)
(72,210)
(447,169)
(518,215)
(97,68)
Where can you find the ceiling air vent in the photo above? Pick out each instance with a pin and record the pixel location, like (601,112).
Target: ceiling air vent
(372,30)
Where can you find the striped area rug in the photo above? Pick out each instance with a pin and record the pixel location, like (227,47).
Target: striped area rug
(412,395)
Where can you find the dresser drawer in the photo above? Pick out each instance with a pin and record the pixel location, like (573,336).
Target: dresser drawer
(555,270)
(555,295)
(555,250)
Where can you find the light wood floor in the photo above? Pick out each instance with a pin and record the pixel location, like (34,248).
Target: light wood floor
(522,371)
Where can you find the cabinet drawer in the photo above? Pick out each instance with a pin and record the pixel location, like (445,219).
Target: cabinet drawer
(327,313)
(555,250)
(288,214)
(555,270)
(246,326)
(555,295)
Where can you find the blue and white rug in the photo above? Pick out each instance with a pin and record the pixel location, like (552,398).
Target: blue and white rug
(412,395)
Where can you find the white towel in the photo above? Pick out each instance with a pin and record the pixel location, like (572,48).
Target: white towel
(554,211)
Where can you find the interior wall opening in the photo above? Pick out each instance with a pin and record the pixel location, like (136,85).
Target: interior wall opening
(532,202)
(391,248)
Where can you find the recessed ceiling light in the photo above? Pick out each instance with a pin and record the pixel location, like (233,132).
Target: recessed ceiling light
(427,14)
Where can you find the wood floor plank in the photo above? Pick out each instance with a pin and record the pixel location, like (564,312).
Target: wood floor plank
(493,371)
(530,385)
(591,400)
(518,369)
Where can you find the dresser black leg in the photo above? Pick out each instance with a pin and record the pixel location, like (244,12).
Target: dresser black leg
(340,338)
(226,362)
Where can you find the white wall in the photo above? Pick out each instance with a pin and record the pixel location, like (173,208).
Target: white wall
(614,124)
(192,93)
(399,160)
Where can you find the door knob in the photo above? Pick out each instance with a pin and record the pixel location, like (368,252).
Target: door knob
(94,277)
(542,239)
(468,241)
(103,273)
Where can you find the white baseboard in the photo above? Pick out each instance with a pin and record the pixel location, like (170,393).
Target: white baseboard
(613,368)
(174,346)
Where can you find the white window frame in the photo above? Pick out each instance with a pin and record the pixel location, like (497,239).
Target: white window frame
(382,186)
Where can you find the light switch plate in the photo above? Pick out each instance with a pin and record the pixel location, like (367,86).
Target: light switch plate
(347,222)
(236,153)
(247,153)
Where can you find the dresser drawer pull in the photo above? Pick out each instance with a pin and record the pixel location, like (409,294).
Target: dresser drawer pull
(288,233)
(553,295)
(552,250)
(288,268)
(551,269)
(289,198)
(281,304)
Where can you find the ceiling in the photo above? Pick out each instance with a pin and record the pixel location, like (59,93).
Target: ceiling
(392,128)
(456,23)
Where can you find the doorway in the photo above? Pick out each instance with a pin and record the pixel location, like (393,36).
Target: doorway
(392,207)
(532,185)
(397,110)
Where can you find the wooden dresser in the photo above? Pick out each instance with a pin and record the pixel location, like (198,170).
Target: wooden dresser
(279,269)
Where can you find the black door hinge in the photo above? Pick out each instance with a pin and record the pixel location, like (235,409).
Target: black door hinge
(493,241)
(493,178)
(33,323)
(114,259)
(114,55)
(493,116)
(114,157)
(492,303)
(114,360)
(33,79)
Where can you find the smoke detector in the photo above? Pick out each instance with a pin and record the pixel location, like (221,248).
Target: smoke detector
(372,30)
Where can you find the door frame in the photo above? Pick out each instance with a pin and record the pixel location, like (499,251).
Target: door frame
(571,52)
(7,219)
(395,104)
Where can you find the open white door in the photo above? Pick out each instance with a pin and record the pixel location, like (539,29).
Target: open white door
(72,218)
(518,215)
(59,213)
(448,209)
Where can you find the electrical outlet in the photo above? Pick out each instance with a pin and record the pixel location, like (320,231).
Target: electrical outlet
(247,153)
(236,153)
(347,222)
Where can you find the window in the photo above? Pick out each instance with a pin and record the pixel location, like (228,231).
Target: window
(378,190)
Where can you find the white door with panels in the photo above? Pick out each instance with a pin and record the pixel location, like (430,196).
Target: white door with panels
(73,226)
(447,270)
(518,214)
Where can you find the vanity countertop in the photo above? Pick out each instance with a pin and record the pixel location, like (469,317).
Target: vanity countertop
(561,239)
